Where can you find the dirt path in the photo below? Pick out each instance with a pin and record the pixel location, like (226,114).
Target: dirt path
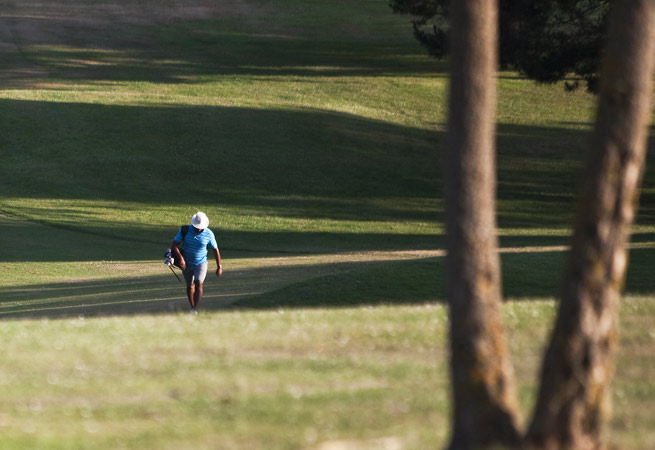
(148,287)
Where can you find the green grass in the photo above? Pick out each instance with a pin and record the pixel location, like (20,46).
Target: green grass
(311,133)
(275,379)
(236,380)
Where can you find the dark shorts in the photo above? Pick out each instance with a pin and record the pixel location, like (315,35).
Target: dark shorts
(195,274)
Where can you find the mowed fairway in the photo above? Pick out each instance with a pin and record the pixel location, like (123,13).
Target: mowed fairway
(311,133)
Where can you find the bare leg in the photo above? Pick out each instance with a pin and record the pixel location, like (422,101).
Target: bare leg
(190,293)
(197,294)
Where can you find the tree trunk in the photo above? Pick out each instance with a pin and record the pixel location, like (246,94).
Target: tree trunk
(579,362)
(484,400)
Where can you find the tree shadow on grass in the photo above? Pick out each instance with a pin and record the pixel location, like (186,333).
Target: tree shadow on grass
(109,43)
(28,241)
(266,165)
(526,275)
(171,154)
(303,164)
(267,285)
(163,294)
(110,297)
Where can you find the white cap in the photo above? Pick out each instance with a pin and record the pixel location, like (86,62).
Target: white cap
(200,220)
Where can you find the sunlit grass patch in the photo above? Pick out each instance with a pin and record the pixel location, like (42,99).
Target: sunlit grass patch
(273,379)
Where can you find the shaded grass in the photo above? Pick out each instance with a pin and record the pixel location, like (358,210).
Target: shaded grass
(528,275)
(396,282)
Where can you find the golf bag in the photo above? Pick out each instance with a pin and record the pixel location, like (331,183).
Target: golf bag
(170,257)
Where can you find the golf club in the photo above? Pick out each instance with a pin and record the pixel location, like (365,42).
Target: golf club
(173,270)
(168,260)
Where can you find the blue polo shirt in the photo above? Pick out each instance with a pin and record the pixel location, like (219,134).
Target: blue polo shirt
(195,245)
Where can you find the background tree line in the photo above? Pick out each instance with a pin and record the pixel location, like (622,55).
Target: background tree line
(545,40)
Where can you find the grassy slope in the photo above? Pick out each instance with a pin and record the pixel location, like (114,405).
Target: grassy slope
(319,125)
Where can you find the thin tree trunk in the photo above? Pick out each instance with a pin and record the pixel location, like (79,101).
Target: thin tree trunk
(484,400)
(579,362)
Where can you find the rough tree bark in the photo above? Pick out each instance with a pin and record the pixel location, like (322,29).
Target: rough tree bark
(485,408)
(579,361)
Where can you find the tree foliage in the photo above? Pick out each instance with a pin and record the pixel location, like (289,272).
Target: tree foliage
(548,41)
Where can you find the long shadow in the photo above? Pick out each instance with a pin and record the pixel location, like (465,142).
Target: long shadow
(29,241)
(295,164)
(162,294)
(142,153)
(106,44)
(331,285)
(171,154)
(526,276)
(303,164)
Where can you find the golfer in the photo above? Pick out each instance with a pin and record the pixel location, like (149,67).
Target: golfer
(193,256)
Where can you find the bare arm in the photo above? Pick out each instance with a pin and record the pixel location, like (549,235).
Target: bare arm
(176,250)
(219,268)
